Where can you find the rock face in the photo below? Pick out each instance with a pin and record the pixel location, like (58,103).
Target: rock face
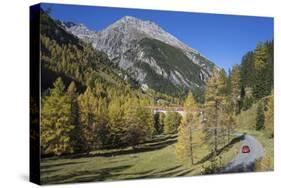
(148,54)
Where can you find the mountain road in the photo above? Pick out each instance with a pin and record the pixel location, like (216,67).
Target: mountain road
(245,162)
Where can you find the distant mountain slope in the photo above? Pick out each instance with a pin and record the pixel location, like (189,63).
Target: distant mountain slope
(149,54)
(64,55)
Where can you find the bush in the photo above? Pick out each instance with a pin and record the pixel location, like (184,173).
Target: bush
(213,167)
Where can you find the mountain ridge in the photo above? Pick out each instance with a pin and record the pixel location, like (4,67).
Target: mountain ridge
(121,41)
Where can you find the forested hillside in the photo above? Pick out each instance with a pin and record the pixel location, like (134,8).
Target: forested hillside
(254,99)
(239,101)
(85,98)
(66,56)
(252,80)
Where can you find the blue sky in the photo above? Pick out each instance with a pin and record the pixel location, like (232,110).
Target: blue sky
(223,39)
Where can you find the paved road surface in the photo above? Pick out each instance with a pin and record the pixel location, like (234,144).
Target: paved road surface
(245,162)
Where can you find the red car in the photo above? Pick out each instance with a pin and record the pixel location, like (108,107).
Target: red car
(245,149)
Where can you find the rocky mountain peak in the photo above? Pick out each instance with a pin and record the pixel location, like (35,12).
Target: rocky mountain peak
(80,30)
(131,43)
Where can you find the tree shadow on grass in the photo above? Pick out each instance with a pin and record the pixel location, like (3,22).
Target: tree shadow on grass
(170,172)
(224,148)
(184,172)
(130,150)
(85,176)
(166,174)
(169,169)
(49,171)
(114,173)
(137,173)
(48,166)
(152,173)
(173,171)
(135,150)
(147,146)
(160,139)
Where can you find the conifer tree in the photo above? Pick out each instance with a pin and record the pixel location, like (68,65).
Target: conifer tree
(214,100)
(236,88)
(270,67)
(116,118)
(228,83)
(56,127)
(260,87)
(102,107)
(87,103)
(247,70)
(161,121)
(171,122)
(189,124)
(101,133)
(190,103)
(260,57)
(183,145)
(157,126)
(269,118)
(228,120)
(260,117)
(138,122)
(78,141)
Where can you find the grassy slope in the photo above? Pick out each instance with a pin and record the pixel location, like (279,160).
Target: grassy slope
(153,159)
(247,121)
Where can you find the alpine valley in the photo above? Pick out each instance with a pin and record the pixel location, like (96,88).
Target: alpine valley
(130,100)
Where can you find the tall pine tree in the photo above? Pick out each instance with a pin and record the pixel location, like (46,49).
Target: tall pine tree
(171,122)
(260,116)
(189,124)
(184,143)
(236,88)
(116,119)
(214,100)
(87,103)
(78,141)
(269,117)
(56,124)
(261,85)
